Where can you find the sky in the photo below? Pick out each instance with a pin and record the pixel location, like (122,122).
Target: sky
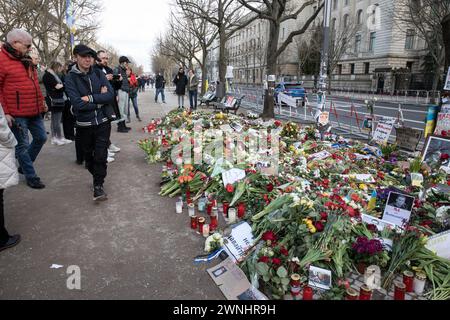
(132,26)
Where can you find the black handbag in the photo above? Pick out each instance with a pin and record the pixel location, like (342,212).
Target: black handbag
(57,102)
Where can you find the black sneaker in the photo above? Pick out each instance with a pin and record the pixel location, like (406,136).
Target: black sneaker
(35,183)
(20,170)
(99,194)
(12,241)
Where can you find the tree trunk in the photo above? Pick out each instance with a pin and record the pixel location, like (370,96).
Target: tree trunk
(272,47)
(204,72)
(446,36)
(222,58)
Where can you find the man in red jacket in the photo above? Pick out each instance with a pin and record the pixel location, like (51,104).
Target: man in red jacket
(22,101)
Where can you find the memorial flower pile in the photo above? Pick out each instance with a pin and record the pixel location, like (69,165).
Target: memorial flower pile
(324,206)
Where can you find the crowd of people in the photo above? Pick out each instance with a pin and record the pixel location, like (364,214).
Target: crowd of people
(84,97)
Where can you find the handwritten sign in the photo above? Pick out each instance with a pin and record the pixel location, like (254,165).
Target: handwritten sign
(383,130)
(440,244)
(443,123)
(408,138)
(232,176)
(240,240)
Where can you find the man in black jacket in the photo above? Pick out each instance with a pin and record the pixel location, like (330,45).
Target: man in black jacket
(123,93)
(160,83)
(88,91)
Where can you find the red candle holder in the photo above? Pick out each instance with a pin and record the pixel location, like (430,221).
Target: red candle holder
(201,222)
(351,294)
(241,210)
(408,280)
(225,205)
(295,285)
(188,195)
(365,293)
(209,208)
(308,293)
(194,222)
(399,290)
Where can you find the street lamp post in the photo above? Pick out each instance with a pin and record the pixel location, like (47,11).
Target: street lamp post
(321,93)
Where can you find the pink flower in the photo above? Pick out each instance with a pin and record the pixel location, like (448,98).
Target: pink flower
(230,188)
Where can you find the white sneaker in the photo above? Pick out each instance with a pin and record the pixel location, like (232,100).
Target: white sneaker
(113,148)
(111,154)
(66,141)
(110,159)
(57,141)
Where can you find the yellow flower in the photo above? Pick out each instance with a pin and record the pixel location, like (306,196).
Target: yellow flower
(362,186)
(313,229)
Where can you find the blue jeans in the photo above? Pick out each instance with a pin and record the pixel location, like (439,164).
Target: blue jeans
(193,99)
(135,106)
(27,153)
(160,90)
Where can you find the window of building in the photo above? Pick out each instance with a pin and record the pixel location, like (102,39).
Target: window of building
(335,3)
(409,65)
(357,43)
(339,69)
(346,21)
(366,68)
(352,68)
(409,44)
(373,36)
(359,17)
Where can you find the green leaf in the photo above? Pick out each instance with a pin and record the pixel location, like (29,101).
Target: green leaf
(282,272)
(285,281)
(266,278)
(276,280)
(262,268)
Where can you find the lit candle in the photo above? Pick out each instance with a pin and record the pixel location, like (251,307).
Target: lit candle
(295,285)
(365,293)
(408,280)
(231,215)
(201,222)
(308,293)
(206,230)
(194,222)
(419,283)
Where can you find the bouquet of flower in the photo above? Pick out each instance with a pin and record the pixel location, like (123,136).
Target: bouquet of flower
(151,149)
(368,251)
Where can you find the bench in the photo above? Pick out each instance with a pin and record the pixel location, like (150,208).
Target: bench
(229,103)
(208,98)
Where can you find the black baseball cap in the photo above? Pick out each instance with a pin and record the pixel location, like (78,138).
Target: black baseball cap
(84,50)
(123,59)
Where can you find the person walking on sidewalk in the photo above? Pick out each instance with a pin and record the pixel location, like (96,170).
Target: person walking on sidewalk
(134,83)
(160,84)
(123,94)
(8,178)
(89,91)
(181,82)
(22,102)
(193,89)
(56,101)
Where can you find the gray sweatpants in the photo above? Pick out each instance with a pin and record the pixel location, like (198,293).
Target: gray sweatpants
(55,125)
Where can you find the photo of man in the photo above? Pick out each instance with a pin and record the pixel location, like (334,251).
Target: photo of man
(401,201)
(398,209)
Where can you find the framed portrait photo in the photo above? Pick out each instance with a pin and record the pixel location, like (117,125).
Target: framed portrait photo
(319,278)
(435,149)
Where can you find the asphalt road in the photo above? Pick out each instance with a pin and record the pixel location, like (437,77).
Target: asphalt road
(133,246)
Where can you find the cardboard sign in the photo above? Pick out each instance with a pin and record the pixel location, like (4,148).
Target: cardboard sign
(398,209)
(408,138)
(233,282)
(290,101)
(440,244)
(447,81)
(443,123)
(232,176)
(324,118)
(239,241)
(383,130)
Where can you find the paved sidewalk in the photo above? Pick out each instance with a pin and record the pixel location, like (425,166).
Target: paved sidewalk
(132,246)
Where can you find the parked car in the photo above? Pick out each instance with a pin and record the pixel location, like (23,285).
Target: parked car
(293,89)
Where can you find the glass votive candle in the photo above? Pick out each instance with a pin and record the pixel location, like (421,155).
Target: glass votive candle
(231,215)
(295,285)
(225,206)
(365,293)
(408,280)
(351,294)
(201,222)
(308,293)
(194,222)
(241,210)
(201,204)
(419,283)
(399,290)
(205,230)
(179,206)
(191,209)
(213,223)
(209,207)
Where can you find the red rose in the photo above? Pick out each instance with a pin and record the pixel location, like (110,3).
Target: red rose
(269,235)
(284,252)
(444,156)
(444,133)
(264,259)
(324,216)
(278,123)
(372,228)
(319,226)
(230,188)
(351,211)
(276,261)
(269,187)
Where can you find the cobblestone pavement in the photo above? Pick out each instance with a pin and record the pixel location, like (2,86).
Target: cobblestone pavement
(132,246)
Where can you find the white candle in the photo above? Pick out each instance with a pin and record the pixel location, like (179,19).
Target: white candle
(231,215)
(179,206)
(206,230)
(419,283)
(191,210)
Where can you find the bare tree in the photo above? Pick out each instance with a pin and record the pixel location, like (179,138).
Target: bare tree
(277,12)
(426,17)
(226,15)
